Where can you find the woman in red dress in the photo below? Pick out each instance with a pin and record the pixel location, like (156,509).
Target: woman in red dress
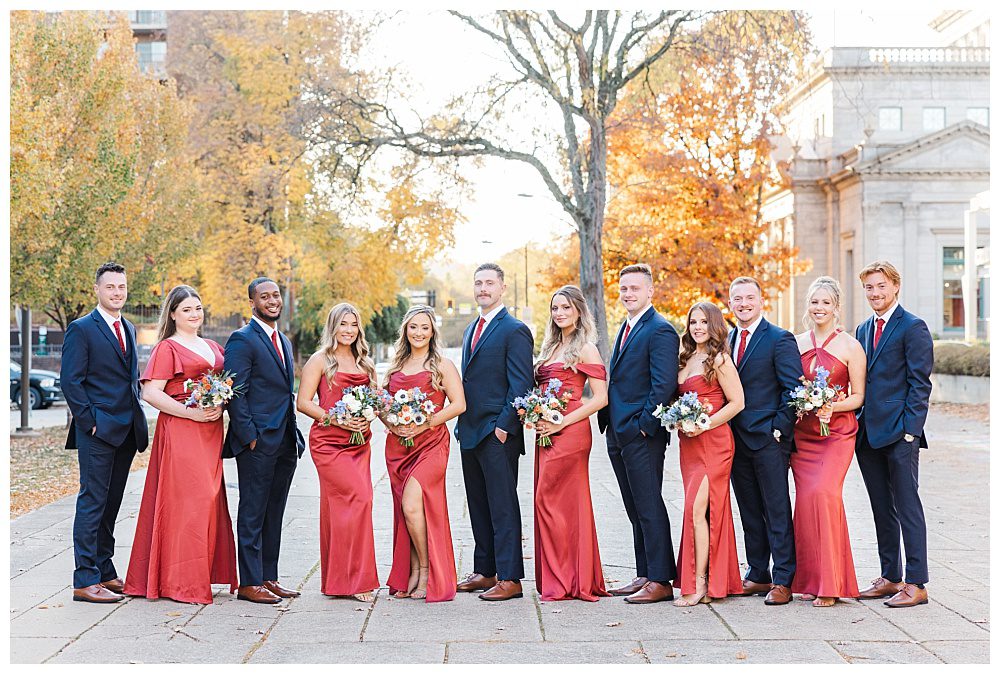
(824,565)
(346,538)
(184,536)
(567,561)
(707,564)
(423,559)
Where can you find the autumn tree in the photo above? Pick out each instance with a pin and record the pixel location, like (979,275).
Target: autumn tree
(98,164)
(577,67)
(690,161)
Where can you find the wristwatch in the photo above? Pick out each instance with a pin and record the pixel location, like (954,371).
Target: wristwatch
(908,437)
(777,435)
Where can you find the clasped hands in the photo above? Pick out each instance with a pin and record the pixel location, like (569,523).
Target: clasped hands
(546,428)
(353,424)
(409,430)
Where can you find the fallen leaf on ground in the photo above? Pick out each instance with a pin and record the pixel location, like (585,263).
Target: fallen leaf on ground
(672,654)
(741,655)
(614,624)
(174,614)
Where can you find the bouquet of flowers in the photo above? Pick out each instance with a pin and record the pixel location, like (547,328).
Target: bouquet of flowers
(359,402)
(688,413)
(409,406)
(546,404)
(211,389)
(812,395)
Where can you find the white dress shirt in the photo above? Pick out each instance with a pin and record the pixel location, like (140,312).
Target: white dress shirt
(110,320)
(269,330)
(633,320)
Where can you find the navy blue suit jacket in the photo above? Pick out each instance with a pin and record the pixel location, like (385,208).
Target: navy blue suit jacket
(771,368)
(898,386)
(267,405)
(641,376)
(101,385)
(498,371)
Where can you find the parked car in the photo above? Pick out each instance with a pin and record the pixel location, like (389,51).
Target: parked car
(45,388)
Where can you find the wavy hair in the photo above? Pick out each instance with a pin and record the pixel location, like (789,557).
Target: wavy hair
(718,335)
(585,330)
(359,348)
(832,286)
(166,326)
(404,350)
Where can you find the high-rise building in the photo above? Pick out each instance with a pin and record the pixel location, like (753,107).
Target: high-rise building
(150,29)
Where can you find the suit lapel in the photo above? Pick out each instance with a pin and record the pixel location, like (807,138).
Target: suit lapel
(631,334)
(887,332)
(270,347)
(467,343)
(286,349)
(130,340)
(487,331)
(102,325)
(755,339)
(615,352)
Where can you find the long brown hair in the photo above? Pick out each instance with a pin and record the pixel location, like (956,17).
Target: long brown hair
(404,350)
(359,349)
(166,326)
(585,332)
(718,335)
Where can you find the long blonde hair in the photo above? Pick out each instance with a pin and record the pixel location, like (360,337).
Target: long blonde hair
(832,286)
(404,350)
(359,349)
(585,331)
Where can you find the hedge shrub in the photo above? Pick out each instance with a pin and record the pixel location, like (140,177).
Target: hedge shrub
(959,359)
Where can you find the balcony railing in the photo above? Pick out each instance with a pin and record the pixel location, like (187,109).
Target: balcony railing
(147,19)
(931,55)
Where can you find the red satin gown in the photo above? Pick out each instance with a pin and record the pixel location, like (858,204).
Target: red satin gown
(710,455)
(567,561)
(346,539)
(824,565)
(184,535)
(426,463)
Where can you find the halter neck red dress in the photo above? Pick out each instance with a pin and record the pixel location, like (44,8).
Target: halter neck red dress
(346,538)
(567,560)
(824,565)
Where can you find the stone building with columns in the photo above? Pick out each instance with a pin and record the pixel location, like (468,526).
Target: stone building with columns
(886,155)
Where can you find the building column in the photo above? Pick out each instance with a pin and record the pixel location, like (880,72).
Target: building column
(911,269)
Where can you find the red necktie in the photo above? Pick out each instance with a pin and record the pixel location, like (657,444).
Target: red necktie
(479,332)
(628,327)
(274,340)
(118,332)
(878,332)
(744,334)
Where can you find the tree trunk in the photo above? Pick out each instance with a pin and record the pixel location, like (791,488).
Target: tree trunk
(591,230)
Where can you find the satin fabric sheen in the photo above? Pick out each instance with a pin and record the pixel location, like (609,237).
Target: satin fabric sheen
(825,566)
(710,455)
(426,463)
(567,560)
(184,535)
(346,538)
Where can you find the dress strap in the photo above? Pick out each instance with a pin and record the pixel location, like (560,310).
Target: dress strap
(812,336)
(828,339)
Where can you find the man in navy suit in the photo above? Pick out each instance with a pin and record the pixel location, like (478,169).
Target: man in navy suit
(496,368)
(891,432)
(767,359)
(264,439)
(643,374)
(100,380)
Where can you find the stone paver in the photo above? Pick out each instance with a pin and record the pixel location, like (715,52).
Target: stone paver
(47,626)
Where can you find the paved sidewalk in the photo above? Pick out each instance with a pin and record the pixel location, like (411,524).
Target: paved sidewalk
(46,626)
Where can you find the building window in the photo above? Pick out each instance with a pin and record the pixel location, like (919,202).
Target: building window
(890,119)
(934,119)
(979,115)
(152,56)
(953,260)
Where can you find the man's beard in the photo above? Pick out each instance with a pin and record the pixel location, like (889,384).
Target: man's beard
(266,319)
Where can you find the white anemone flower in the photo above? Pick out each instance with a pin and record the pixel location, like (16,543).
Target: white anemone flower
(402,396)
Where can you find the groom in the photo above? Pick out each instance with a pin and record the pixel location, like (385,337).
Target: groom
(264,439)
(643,374)
(496,368)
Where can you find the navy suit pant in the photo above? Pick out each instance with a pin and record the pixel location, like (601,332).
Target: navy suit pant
(890,475)
(264,483)
(638,465)
(104,470)
(490,471)
(760,483)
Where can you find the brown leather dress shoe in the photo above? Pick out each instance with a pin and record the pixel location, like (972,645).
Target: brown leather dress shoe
(504,590)
(116,585)
(879,588)
(631,588)
(651,593)
(910,595)
(476,581)
(751,588)
(258,594)
(97,594)
(282,592)
(778,595)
